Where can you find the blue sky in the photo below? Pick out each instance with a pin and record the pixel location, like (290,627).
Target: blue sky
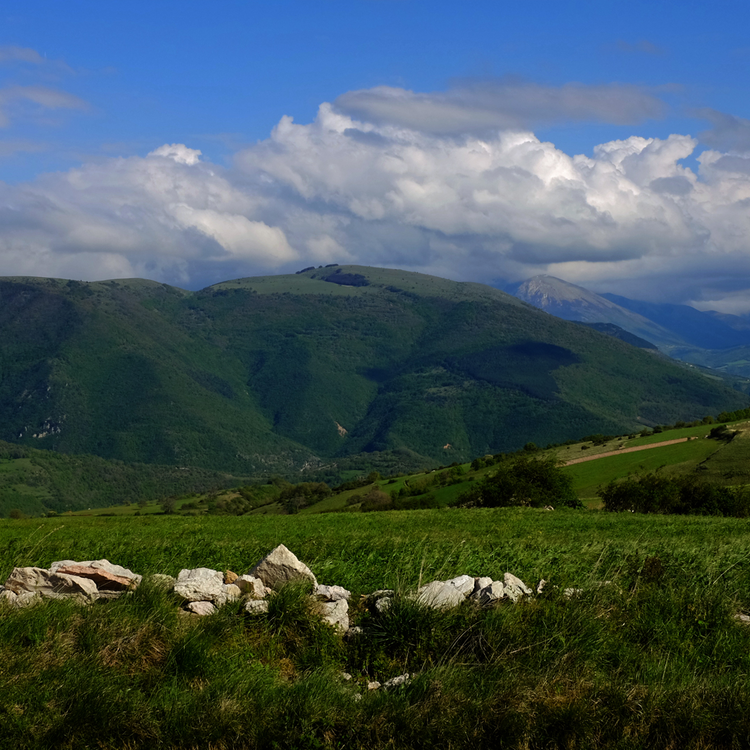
(450,144)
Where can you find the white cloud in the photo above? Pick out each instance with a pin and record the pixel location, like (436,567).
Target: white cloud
(495,204)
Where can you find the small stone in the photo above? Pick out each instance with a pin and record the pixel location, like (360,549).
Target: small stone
(256,607)
(354,631)
(479,584)
(491,594)
(570,593)
(541,586)
(229,593)
(230,577)
(8,598)
(252,586)
(383,604)
(331,593)
(346,677)
(201,608)
(199,585)
(336,614)
(374,685)
(510,580)
(742,618)
(281,566)
(464,584)
(394,682)
(440,595)
(163,581)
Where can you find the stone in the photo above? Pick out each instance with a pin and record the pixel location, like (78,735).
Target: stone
(346,677)
(336,614)
(491,594)
(199,585)
(252,586)
(256,607)
(230,577)
(49,584)
(354,631)
(331,593)
(541,586)
(741,618)
(280,566)
(27,599)
(8,598)
(465,584)
(201,608)
(480,583)
(510,580)
(229,593)
(163,581)
(382,604)
(440,595)
(571,593)
(374,685)
(105,574)
(394,682)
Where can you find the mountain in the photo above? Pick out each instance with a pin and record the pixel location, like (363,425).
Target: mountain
(694,327)
(571,302)
(282,373)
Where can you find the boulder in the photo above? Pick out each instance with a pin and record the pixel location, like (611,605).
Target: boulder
(281,566)
(200,585)
(49,584)
(106,575)
(332,593)
(201,608)
(440,595)
(336,614)
(252,586)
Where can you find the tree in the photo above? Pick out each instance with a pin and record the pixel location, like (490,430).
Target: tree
(528,480)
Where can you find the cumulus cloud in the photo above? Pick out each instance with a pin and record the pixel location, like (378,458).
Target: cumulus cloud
(482,205)
(479,106)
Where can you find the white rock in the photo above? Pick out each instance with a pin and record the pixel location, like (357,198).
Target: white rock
(163,581)
(53,585)
(465,584)
(490,594)
(256,607)
(570,593)
(479,584)
(27,599)
(510,580)
(541,586)
(354,631)
(28,579)
(229,593)
(200,585)
(201,608)
(332,593)
(394,682)
(383,604)
(281,566)
(374,685)
(8,598)
(252,586)
(440,595)
(336,614)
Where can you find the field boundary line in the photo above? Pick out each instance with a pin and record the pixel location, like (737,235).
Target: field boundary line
(625,450)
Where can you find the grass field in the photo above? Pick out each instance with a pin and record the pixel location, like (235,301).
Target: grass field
(654,659)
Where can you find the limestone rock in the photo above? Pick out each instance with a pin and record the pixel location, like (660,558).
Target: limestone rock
(464,584)
(510,580)
(256,607)
(336,614)
(281,566)
(252,586)
(383,604)
(106,575)
(49,584)
(8,598)
(491,594)
(481,583)
(374,685)
(229,593)
(199,585)
(440,595)
(230,577)
(201,608)
(28,579)
(394,682)
(332,593)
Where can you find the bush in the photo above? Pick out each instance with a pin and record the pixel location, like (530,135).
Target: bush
(524,480)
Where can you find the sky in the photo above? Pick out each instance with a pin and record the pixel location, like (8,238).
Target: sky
(607,144)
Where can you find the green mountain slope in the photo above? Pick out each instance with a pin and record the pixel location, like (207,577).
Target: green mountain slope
(278,373)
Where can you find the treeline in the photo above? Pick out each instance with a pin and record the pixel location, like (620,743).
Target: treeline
(686,495)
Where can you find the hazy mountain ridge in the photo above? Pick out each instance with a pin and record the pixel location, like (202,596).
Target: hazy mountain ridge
(281,372)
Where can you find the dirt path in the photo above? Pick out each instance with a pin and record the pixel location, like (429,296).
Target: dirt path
(625,450)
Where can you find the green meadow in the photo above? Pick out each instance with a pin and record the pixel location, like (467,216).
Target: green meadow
(645,653)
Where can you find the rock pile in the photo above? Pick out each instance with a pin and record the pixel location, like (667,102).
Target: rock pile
(203,590)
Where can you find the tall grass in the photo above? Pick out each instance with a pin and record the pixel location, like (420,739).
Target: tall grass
(651,658)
